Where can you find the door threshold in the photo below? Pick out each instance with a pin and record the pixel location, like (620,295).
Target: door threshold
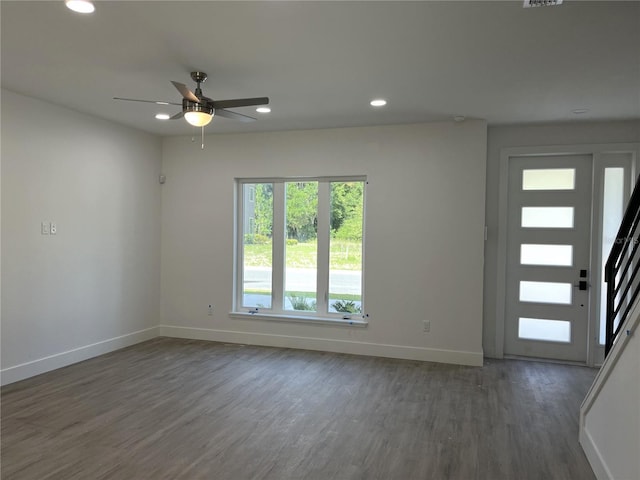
(546,360)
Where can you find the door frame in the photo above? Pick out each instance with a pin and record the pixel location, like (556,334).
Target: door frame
(597,152)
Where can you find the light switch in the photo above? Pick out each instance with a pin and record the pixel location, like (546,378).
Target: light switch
(53,228)
(44,228)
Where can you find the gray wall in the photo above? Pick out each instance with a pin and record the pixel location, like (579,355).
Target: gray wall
(95,285)
(424,235)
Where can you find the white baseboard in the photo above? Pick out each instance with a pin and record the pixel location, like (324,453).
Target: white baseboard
(62,359)
(326,345)
(41,365)
(592,453)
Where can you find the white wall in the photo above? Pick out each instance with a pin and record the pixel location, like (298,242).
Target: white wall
(424,235)
(95,285)
(610,414)
(500,137)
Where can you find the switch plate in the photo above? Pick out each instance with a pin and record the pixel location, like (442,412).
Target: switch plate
(53,228)
(426,326)
(44,228)
(210,310)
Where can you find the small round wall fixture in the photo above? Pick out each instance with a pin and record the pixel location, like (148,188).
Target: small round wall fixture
(378,102)
(80,6)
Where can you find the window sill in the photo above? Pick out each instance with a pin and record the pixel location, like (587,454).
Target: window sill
(351,322)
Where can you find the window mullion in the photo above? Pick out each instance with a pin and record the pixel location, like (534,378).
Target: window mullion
(278,245)
(324,212)
(239,271)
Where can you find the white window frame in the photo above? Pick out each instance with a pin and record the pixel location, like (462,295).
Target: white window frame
(277,311)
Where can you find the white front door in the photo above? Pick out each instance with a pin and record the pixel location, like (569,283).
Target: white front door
(548,254)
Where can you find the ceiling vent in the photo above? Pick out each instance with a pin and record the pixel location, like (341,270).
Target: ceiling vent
(541,3)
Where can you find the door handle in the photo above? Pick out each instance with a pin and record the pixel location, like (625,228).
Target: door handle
(581,285)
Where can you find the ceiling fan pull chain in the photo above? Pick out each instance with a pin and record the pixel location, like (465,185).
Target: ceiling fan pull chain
(202,146)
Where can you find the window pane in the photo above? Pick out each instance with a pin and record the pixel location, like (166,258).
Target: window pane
(540,329)
(547,217)
(301,249)
(257,221)
(549,179)
(345,247)
(545,292)
(612,211)
(553,255)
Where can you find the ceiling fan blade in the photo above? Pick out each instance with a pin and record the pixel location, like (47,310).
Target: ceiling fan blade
(240,102)
(185,92)
(177,116)
(157,102)
(236,116)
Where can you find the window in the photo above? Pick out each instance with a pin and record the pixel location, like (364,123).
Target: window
(612,212)
(300,247)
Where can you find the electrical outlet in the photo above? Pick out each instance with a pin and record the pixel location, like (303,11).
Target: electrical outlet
(44,228)
(426,326)
(210,310)
(53,228)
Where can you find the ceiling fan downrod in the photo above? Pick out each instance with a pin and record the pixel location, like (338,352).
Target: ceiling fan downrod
(199,77)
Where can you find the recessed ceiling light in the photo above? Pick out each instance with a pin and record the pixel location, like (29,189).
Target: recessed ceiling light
(459,118)
(263,110)
(163,116)
(80,6)
(162,103)
(578,111)
(378,102)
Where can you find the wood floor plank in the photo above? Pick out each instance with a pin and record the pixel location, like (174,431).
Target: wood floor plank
(185,409)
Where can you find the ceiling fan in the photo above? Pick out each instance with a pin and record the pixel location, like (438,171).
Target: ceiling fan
(199,110)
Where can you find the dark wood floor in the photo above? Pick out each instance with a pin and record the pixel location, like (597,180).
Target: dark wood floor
(182,409)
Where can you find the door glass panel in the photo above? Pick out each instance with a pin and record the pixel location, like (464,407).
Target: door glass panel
(552,255)
(612,211)
(547,217)
(549,179)
(541,329)
(545,292)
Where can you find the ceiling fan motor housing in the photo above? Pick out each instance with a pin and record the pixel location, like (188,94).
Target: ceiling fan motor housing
(189,106)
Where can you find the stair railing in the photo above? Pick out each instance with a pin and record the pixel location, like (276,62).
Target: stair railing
(621,270)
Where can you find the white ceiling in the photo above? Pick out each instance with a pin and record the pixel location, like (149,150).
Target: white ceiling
(322,62)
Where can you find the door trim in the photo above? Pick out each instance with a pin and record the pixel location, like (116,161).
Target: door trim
(596,151)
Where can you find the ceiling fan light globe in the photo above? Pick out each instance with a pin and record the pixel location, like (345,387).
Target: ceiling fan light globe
(198,119)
